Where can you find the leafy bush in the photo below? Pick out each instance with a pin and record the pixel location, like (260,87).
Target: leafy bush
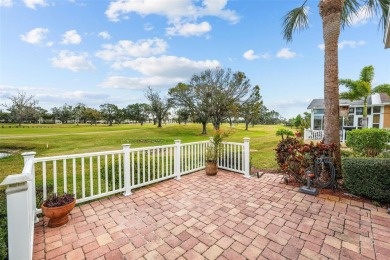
(295,157)
(369,141)
(3,226)
(369,177)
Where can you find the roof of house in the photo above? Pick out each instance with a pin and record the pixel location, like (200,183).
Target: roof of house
(376,99)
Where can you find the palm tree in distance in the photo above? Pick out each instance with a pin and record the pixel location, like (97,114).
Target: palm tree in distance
(335,14)
(362,89)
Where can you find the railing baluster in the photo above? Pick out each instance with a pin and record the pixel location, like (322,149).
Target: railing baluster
(65,180)
(106,171)
(144,165)
(82,178)
(132,169)
(55,176)
(149,165)
(171,158)
(120,170)
(138,162)
(44,180)
(74,177)
(91,175)
(162,163)
(113,171)
(158,165)
(154,163)
(166,161)
(99,175)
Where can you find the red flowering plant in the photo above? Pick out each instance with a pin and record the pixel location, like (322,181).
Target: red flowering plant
(295,157)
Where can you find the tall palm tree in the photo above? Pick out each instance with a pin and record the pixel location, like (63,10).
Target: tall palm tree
(362,89)
(335,14)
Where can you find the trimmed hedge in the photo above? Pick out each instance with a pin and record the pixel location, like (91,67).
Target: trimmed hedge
(368,141)
(369,177)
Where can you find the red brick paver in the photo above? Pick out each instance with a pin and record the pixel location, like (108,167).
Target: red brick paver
(219,217)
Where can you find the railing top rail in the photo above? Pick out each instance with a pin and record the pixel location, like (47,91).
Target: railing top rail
(201,142)
(233,143)
(74,156)
(151,148)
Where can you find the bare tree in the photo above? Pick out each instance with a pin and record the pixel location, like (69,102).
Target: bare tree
(158,106)
(250,108)
(21,107)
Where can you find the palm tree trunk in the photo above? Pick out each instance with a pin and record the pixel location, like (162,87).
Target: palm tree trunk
(364,120)
(330,11)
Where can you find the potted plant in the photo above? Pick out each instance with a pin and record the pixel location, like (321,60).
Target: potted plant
(57,208)
(213,152)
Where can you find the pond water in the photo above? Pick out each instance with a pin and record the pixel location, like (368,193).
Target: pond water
(2,155)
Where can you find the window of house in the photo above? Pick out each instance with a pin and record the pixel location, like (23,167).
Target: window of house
(377,110)
(376,117)
(348,121)
(318,122)
(368,110)
(318,111)
(351,110)
(359,111)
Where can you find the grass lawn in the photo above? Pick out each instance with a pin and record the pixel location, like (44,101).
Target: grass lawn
(70,139)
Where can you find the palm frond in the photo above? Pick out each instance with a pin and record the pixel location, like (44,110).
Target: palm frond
(367,74)
(350,96)
(384,88)
(384,7)
(296,19)
(351,8)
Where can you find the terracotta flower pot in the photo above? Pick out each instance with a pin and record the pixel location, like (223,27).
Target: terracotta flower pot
(211,168)
(58,215)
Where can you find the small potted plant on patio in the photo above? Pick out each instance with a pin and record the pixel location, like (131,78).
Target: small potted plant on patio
(214,151)
(57,208)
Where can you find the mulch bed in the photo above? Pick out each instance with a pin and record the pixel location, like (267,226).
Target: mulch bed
(338,192)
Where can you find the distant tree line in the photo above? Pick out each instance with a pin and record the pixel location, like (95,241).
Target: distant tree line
(212,96)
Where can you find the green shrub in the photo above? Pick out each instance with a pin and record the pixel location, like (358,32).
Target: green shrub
(369,177)
(3,226)
(369,141)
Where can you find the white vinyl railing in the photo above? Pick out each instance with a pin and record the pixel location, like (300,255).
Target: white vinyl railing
(94,175)
(319,135)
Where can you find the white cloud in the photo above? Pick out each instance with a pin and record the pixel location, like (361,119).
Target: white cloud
(343,44)
(126,49)
(49,44)
(33,3)
(105,35)
(71,61)
(6,3)
(285,53)
(35,36)
(362,16)
(250,55)
(167,66)
(173,10)
(189,29)
(139,83)
(351,44)
(71,37)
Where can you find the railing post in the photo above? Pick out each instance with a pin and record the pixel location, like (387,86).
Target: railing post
(177,159)
(246,158)
(29,158)
(126,169)
(20,218)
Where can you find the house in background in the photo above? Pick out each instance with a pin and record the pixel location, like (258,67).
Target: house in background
(378,115)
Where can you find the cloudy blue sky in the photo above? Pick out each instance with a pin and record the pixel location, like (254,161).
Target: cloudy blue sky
(96,52)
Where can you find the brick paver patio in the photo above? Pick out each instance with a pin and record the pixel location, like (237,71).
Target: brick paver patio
(222,217)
